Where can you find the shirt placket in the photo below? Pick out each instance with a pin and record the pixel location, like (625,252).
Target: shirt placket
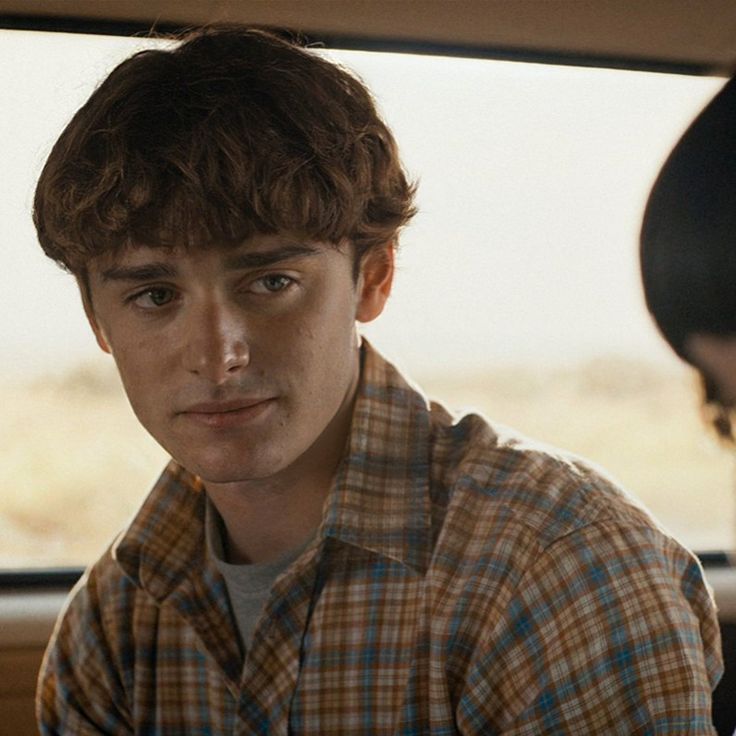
(272,664)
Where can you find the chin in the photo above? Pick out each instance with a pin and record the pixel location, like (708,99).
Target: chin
(224,470)
(222,474)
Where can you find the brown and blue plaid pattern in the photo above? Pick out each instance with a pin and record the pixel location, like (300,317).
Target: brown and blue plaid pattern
(464,581)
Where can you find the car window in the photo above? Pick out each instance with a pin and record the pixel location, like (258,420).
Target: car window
(517,292)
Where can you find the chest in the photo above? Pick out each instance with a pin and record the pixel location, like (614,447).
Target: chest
(362,649)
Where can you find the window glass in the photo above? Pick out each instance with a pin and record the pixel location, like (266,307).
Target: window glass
(517,292)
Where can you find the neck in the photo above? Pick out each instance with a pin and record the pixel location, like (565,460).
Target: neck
(265,519)
(261,526)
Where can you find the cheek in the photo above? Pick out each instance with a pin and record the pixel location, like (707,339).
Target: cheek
(137,381)
(320,327)
(146,375)
(318,356)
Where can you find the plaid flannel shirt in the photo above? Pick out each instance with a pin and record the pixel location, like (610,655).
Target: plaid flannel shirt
(463,581)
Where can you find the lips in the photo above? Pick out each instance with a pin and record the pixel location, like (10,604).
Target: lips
(227,414)
(220,407)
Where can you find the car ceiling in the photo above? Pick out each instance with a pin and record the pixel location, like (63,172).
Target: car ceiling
(695,36)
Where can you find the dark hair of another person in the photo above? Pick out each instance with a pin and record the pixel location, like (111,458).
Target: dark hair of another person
(230,133)
(688,237)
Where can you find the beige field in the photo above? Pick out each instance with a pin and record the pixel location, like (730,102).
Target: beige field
(76,464)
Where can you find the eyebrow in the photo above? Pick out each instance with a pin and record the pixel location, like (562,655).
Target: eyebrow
(160,270)
(144,272)
(258,259)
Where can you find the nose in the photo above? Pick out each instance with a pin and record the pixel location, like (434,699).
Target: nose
(215,340)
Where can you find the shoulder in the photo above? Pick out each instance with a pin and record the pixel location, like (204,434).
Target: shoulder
(95,606)
(481,476)
(507,478)
(80,681)
(524,517)
(544,564)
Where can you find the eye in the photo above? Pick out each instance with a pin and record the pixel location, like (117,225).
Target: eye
(153,298)
(272,284)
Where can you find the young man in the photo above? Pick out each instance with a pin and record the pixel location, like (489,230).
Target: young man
(327,552)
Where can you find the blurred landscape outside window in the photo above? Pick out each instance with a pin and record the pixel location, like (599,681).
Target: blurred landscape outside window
(517,292)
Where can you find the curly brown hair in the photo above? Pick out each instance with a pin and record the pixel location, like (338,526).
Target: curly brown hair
(229,133)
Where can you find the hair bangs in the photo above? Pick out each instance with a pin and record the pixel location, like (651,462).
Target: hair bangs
(233,132)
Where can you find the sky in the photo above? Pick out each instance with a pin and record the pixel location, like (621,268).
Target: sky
(532,182)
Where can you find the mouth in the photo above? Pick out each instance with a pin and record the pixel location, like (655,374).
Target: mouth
(227,414)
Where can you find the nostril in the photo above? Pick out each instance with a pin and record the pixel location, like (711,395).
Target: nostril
(234,367)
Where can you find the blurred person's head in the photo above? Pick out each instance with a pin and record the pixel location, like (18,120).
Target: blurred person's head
(688,252)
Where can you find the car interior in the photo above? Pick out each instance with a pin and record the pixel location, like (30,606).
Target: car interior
(672,37)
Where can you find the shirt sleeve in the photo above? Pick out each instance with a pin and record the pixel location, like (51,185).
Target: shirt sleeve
(612,630)
(79,690)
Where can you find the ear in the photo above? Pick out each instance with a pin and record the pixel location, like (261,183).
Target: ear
(86,294)
(374,282)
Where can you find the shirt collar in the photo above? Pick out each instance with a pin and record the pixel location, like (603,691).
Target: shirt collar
(165,540)
(380,500)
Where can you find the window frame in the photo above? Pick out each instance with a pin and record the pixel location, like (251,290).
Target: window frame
(63,578)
